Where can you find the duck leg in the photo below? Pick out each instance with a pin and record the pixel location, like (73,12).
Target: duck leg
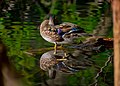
(65,53)
(55,52)
(55,48)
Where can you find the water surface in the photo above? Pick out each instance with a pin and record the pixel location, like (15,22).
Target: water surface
(19,22)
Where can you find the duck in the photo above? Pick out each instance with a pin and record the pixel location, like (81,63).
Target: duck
(63,33)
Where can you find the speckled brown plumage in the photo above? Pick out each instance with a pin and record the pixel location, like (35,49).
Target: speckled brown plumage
(48,32)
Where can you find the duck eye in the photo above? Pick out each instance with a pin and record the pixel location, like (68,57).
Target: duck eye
(49,29)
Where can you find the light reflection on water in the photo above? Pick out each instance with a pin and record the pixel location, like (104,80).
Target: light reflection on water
(19,22)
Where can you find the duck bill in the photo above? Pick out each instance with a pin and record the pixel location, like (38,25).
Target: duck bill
(51,21)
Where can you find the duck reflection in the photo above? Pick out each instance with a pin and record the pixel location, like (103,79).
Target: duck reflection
(53,62)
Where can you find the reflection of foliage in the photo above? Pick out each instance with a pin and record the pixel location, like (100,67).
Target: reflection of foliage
(20,34)
(82,78)
(86,77)
(18,41)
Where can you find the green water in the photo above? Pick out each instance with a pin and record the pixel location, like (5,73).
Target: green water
(19,22)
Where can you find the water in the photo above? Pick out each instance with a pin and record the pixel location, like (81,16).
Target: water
(19,22)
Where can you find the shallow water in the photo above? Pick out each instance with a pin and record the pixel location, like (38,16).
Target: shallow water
(19,22)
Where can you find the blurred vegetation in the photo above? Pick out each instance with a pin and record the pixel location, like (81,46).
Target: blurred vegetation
(19,21)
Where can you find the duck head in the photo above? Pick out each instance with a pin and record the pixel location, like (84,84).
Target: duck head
(47,24)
